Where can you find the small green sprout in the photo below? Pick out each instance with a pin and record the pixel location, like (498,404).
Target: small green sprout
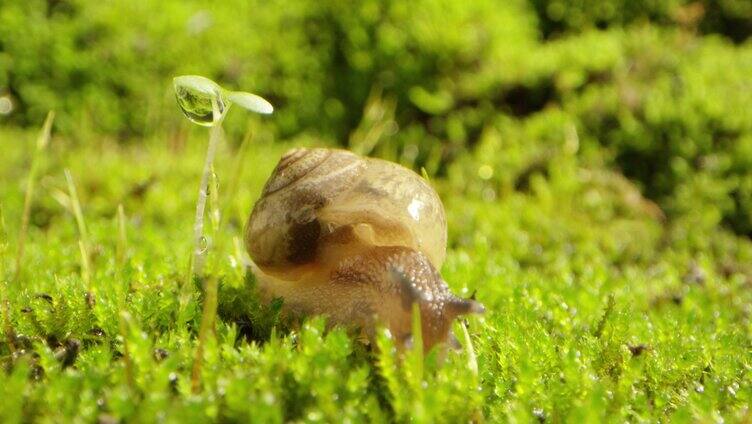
(206,103)
(196,94)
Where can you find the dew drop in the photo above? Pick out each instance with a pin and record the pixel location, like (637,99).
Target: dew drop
(6,105)
(203,245)
(195,95)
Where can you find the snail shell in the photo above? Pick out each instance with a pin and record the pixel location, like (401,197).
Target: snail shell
(357,239)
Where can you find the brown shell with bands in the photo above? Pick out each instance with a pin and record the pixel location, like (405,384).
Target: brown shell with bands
(354,238)
(315,193)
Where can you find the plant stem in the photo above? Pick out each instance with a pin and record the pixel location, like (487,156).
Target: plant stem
(122,247)
(83,242)
(472,365)
(42,142)
(199,251)
(123,327)
(7,327)
(415,367)
(207,325)
(214,212)
(3,244)
(209,311)
(123,315)
(472,360)
(417,340)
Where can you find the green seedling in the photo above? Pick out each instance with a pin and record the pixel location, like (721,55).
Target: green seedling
(205,103)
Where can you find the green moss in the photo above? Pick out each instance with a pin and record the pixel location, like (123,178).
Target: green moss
(593,312)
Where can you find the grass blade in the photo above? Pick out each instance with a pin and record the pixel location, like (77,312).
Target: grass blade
(123,315)
(207,325)
(472,360)
(83,242)
(199,248)
(4,301)
(237,173)
(209,312)
(214,213)
(86,268)
(3,243)
(122,246)
(42,141)
(123,319)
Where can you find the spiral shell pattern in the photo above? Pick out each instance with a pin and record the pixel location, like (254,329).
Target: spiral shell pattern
(312,193)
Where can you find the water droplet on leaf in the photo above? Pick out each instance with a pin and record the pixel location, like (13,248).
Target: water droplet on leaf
(195,95)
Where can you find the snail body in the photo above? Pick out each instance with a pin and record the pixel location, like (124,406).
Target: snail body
(357,239)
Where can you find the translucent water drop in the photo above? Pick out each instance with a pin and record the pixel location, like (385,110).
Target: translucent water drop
(203,245)
(195,95)
(6,105)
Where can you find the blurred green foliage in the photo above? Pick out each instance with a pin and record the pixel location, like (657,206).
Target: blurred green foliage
(672,116)
(423,79)
(732,18)
(317,61)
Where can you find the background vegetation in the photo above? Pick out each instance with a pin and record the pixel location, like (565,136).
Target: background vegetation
(594,157)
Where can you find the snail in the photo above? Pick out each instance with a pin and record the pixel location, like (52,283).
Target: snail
(357,239)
